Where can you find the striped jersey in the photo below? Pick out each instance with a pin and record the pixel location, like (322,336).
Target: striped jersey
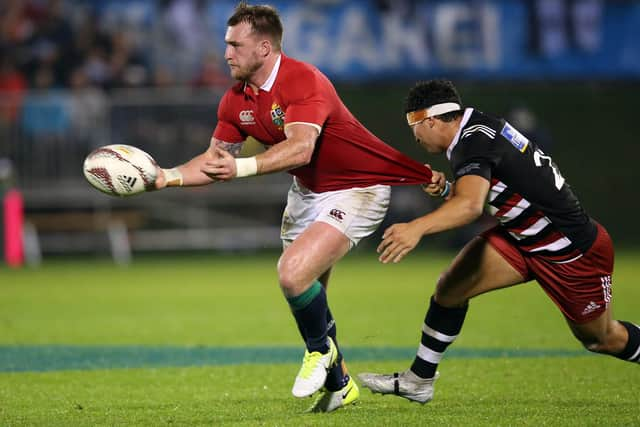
(529,197)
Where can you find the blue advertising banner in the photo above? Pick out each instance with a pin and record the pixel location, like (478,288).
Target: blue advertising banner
(364,40)
(545,39)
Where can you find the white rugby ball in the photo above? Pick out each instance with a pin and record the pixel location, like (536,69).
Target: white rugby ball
(120,170)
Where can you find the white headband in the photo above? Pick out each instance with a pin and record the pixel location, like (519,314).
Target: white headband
(415,117)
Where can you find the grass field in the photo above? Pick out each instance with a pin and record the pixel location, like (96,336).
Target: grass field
(208,340)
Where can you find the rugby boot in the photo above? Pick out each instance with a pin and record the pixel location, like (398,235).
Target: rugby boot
(404,384)
(313,372)
(329,401)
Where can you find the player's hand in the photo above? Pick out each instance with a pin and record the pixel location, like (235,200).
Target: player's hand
(221,167)
(161,180)
(397,241)
(437,185)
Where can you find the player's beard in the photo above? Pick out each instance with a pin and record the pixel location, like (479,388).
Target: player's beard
(245,73)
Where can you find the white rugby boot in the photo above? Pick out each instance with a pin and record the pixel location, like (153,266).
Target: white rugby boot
(313,372)
(404,384)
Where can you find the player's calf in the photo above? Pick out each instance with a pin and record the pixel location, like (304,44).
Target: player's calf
(621,340)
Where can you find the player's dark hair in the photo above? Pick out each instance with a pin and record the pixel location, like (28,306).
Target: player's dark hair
(428,93)
(264,20)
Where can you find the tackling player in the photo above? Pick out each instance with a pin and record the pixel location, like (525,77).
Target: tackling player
(340,190)
(543,233)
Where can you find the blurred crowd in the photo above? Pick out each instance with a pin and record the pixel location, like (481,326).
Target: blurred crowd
(61,44)
(93,47)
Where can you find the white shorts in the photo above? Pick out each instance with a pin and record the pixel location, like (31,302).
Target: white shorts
(356,212)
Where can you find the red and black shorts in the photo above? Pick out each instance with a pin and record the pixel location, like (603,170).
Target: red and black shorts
(580,288)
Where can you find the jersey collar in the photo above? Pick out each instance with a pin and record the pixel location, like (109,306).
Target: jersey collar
(463,123)
(272,77)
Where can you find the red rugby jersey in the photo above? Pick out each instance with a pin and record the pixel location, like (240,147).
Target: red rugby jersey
(346,155)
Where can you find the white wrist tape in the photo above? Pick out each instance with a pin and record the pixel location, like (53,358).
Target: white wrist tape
(173,177)
(246,166)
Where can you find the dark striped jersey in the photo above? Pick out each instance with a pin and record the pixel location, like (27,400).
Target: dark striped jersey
(533,203)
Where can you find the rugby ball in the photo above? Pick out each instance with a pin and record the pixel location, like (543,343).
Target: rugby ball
(120,170)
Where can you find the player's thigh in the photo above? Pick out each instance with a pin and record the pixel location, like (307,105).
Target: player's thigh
(582,290)
(326,219)
(311,255)
(477,269)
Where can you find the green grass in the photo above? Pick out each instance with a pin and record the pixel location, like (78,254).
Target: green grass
(234,301)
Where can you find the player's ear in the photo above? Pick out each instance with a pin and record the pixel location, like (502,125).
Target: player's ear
(265,47)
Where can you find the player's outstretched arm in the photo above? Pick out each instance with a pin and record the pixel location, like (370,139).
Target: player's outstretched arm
(191,173)
(464,206)
(293,152)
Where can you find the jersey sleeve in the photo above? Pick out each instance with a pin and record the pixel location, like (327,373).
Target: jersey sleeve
(310,102)
(226,129)
(475,155)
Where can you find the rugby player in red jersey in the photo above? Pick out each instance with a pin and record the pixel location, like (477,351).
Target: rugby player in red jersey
(341,186)
(543,233)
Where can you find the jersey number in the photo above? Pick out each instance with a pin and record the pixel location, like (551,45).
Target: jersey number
(538,156)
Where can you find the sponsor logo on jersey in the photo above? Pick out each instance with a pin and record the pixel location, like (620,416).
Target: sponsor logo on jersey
(246,117)
(337,214)
(516,139)
(277,116)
